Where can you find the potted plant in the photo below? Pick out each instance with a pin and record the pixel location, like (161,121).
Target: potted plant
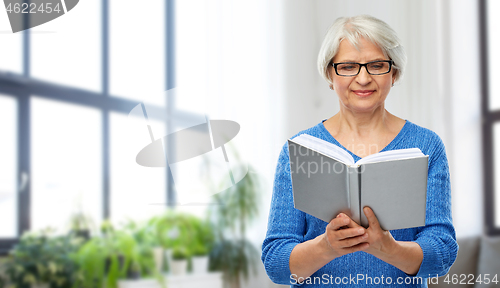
(81,225)
(134,271)
(200,259)
(42,260)
(202,244)
(179,262)
(237,207)
(146,234)
(105,259)
(117,254)
(144,258)
(91,258)
(174,231)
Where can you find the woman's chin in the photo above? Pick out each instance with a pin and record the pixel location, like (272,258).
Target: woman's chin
(363,106)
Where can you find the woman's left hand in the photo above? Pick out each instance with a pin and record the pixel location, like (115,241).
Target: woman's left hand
(404,255)
(381,242)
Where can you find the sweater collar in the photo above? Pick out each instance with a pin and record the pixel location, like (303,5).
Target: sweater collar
(328,137)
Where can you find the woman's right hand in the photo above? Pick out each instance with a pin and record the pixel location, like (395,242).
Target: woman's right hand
(343,236)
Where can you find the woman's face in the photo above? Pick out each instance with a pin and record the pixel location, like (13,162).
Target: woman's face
(363,92)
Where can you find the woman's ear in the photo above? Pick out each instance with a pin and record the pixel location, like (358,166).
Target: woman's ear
(331,87)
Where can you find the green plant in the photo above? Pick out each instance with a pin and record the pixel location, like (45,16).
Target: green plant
(203,237)
(234,258)
(143,233)
(105,259)
(199,250)
(134,271)
(174,229)
(40,258)
(80,222)
(91,259)
(185,234)
(146,240)
(119,254)
(236,209)
(180,253)
(81,226)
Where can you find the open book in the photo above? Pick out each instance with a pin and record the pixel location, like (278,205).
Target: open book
(327,181)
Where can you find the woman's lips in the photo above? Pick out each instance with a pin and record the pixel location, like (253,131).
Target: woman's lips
(363,93)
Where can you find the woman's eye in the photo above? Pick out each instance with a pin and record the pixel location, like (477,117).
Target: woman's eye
(378,66)
(347,67)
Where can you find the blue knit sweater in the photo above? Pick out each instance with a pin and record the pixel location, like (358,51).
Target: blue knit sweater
(288,226)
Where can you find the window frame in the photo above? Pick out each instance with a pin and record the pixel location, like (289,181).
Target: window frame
(489,119)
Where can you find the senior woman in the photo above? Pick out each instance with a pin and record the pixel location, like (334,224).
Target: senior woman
(361,58)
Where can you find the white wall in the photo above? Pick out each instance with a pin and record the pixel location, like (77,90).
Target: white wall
(465,126)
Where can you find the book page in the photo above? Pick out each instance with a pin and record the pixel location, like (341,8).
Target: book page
(324,147)
(391,155)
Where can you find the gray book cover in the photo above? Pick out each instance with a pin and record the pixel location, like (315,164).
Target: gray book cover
(323,187)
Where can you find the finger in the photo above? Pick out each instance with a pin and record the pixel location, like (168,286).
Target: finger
(345,216)
(352,223)
(372,219)
(338,222)
(349,233)
(350,242)
(359,247)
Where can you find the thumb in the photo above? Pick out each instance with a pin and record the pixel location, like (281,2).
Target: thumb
(372,219)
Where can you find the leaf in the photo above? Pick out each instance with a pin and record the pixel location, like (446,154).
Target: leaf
(52,267)
(29,278)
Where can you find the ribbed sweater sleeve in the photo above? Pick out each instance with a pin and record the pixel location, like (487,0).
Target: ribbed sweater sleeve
(437,238)
(285,225)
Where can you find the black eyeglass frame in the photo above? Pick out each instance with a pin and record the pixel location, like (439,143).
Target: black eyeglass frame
(361,65)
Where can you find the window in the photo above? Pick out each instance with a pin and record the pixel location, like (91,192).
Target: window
(490,106)
(145,186)
(65,92)
(8,152)
(70,49)
(66,153)
(135,47)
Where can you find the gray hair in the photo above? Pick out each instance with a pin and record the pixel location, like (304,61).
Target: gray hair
(352,28)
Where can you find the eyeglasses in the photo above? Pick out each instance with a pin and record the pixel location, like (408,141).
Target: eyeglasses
(373,68)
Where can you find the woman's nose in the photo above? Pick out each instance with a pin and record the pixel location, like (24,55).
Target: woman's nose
(363,76)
